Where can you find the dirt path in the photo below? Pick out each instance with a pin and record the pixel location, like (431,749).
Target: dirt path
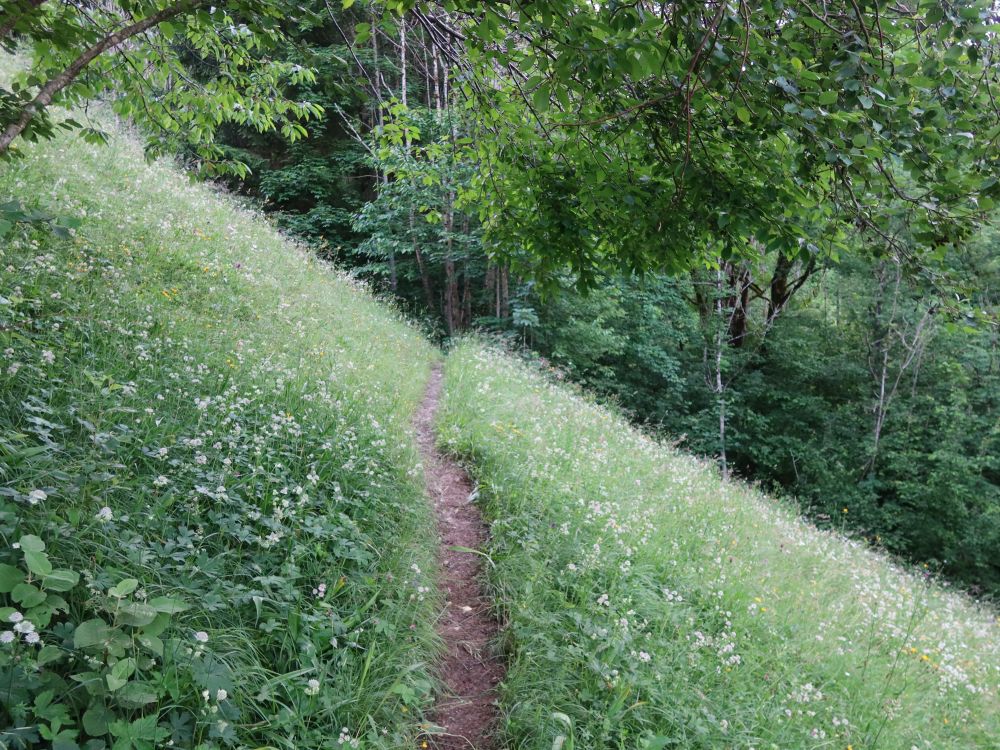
(468,670)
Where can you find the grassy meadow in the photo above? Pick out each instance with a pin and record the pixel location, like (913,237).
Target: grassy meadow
(212,529)
(648,604)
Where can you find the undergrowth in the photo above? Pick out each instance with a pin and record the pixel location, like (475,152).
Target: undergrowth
(648,604)
(212,532)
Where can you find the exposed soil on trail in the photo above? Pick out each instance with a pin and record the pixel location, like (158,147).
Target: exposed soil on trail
(468,670)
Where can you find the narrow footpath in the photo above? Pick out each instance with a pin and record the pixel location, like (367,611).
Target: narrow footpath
(468,670)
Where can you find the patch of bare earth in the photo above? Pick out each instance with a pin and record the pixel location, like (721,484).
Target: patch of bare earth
(469,671)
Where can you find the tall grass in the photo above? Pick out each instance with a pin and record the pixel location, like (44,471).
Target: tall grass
(211,428)
(651,605)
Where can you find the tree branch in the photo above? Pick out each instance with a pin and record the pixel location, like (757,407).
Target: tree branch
(46,93)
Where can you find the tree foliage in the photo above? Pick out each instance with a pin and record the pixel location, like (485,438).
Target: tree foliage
(148,60)
(661,135)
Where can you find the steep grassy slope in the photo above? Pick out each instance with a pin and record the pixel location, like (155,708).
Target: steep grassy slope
(210,521)
(652,605)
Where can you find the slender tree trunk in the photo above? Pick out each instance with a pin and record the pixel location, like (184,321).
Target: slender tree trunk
(880,344)
(891,339)
(437,88)
(451,305)
(54,85)
(402,62)
(393,276)
(720,387)
(504,292)
(779,286)
(377,118)
(466,298)
(738,303)
(425,279)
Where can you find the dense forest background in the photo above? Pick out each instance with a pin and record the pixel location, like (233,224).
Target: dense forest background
(865,385)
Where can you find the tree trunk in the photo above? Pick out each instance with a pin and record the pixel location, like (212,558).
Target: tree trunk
(720,385)
(889,341)
(504,292)
(466,298)
(738,303)
(451,301)
(779,286)
(402,61)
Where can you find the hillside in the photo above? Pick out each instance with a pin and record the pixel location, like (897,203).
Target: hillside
(649,604)
(218,518)
(213,534)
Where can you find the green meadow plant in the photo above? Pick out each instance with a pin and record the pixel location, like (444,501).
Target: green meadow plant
(648,604)
(212,529)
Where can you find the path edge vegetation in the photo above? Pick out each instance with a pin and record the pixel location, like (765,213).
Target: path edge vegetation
(211,516)
(648,603)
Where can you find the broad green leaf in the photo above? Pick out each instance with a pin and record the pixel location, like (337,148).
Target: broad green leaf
(124,668)
(137,694)
(114,683)
(38,563)
(168,605)
(124,588)
(48,654)
(92,633)
(60,579)
(96,719)
(27,595)
(157,626)
(540,98)
(31,543)
(9,578)
(136,614)
(152,644)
